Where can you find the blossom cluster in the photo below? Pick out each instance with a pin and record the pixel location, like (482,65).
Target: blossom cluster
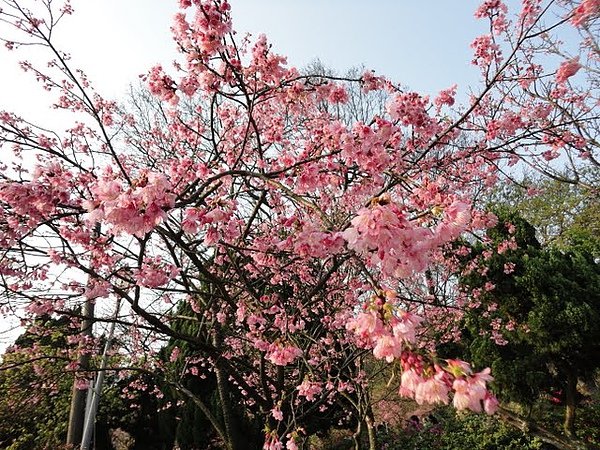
(391,333)
(136,209)
(433,384)
(384,327)
(384,234)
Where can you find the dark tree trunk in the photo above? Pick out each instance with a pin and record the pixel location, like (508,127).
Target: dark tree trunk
(78,399)
(371,433)
(234,441)
(570,404)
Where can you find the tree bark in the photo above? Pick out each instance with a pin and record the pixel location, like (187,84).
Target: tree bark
(233,441)
(77,411)
(570,404)
(371,430)
(543,434)
(78,399)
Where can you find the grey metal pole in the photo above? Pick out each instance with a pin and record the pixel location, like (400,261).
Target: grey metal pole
(77,411)
(90,418)
(88,399)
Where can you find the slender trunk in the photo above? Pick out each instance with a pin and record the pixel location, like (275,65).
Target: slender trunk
(356,436)
(530,427)
(280,379)
(570,402)
(234,441)
(202,406)
(92,403)
(77,411)
(430,287)
(370,421)
(371,430)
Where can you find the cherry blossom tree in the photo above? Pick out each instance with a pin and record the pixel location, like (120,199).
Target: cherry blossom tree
(300,240)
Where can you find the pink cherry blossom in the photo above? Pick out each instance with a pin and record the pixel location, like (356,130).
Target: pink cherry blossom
(433,390)
(409,109)
(276,413)
(405,327)
(409,382)
(136,210)
(490,404)
(366,326)
(458,368)
(291,444)
(272,442)
(309,389)
(281,355)
(462,398)
(154,273)
(485,51)
(585,11)
(387,347)
(567,69)
(446,97)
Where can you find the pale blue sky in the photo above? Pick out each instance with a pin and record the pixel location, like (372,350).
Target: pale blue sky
(423,45)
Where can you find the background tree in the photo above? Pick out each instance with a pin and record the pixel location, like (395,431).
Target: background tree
(544,318)
(35,387)
(564,215)
(34,390)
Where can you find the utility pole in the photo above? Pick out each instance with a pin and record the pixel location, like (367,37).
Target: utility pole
(92,405)
(77,411)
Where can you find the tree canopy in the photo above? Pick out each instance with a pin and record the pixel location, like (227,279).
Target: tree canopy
(279,233)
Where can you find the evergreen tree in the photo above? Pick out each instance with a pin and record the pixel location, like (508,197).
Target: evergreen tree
(541,306)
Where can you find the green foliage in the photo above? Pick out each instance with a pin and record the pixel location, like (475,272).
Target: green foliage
(140,414)
(552,299)
(34,391)
(588,420)
(565,320)
(538,326)
(565,216)
(193,429)
(458,431)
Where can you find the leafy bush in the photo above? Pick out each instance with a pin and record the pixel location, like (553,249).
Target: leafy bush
(446,429)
